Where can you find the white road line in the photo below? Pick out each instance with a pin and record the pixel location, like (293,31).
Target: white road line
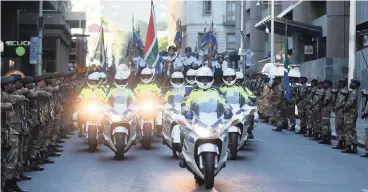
(309,162)
(365,190)
(260,140)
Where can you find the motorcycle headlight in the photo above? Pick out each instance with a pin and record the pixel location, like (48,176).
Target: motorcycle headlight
(93,108)
(115,117)
(208,133)
(147,106)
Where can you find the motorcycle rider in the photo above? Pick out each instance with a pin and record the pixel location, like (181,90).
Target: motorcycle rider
(148,88)
(190,80)
(93,91)
(121,90)
(205,91)
(240,82)
(104,85)
(178,87)
(229,78)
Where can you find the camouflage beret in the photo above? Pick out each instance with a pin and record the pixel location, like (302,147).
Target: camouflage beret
(7,79)
(357,82)
(47,75)
(17,77)
(28,79)
(39,78)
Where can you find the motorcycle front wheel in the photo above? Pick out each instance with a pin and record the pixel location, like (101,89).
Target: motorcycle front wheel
(233,145)
(147,136)
(209,170)
(92,138)
(120,145)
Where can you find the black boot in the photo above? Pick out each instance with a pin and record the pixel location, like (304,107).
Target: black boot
(58,150)
(301,131)
(339,145)
(7,186)
(58,146)
(15,186)
(278,128)
(325,140)
(365,155)
(350,149)
(60,141)
(292,128)
(35,167)
(25,177)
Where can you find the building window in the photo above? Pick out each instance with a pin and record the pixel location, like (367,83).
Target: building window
(207,7)
(230,11)
(231,41)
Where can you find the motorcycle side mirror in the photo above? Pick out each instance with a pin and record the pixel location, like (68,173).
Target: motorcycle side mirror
(188,115)
(228,114)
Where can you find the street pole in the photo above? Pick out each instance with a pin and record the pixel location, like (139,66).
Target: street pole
(241,37)
(40,36)
(352,39)
(272,31)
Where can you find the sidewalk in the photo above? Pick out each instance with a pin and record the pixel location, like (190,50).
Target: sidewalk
(360,127)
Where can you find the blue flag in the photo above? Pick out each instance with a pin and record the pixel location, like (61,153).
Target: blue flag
(286,70)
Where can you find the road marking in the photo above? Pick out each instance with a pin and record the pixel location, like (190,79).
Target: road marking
(309,162)
(260,140)
(365,190)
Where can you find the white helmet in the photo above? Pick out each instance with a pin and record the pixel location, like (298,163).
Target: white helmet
(177,80)
(190,76)
(204,78)
(239,77)
(121,79)
(93,80)
(229,76)
(146,75)
(103,77)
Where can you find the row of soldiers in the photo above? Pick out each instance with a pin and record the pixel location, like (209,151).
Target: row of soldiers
(35,119)
(315,103)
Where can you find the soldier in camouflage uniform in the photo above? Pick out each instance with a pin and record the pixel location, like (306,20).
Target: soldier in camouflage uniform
(278,104)
(342,94)
(315,107)
(300,102)
(326,113)
(364,116)
(34,122)
(291,104)
(263,100)
(10,134)
(54,148)
(21,109)
(350,118)
(311,92)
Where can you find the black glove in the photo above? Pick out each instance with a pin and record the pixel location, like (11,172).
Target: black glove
(363,116)
(344,110)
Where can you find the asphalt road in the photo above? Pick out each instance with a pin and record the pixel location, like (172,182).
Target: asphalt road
(272,162)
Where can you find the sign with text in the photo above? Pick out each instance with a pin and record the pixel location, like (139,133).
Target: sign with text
(33,51)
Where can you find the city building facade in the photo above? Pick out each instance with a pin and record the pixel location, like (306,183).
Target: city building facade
(197,17)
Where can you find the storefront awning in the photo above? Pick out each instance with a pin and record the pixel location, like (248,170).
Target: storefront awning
(292,26)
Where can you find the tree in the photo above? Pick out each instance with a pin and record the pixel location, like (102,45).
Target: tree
(161,26)
(118,44)
(142,26)
(163,43)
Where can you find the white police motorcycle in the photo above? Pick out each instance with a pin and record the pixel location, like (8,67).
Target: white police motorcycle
(205,141)
(242,121)
(119,131)
(90,116)
(171,129)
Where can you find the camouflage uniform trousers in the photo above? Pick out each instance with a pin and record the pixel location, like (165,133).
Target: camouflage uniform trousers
(279,115)
(316,122)
(350,119)
(10,166)
(309,118)
(271,109)
(20,155)
(339,125)
(55,127)
(326,125)
(366,135)
(46,134)
(291,115)
(34,133)
(302,116)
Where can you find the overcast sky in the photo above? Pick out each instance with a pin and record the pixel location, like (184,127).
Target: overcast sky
(120,12)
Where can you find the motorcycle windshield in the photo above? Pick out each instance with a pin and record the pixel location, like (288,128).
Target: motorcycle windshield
(233,98)
(208,112)
(120,104)
(175,101)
